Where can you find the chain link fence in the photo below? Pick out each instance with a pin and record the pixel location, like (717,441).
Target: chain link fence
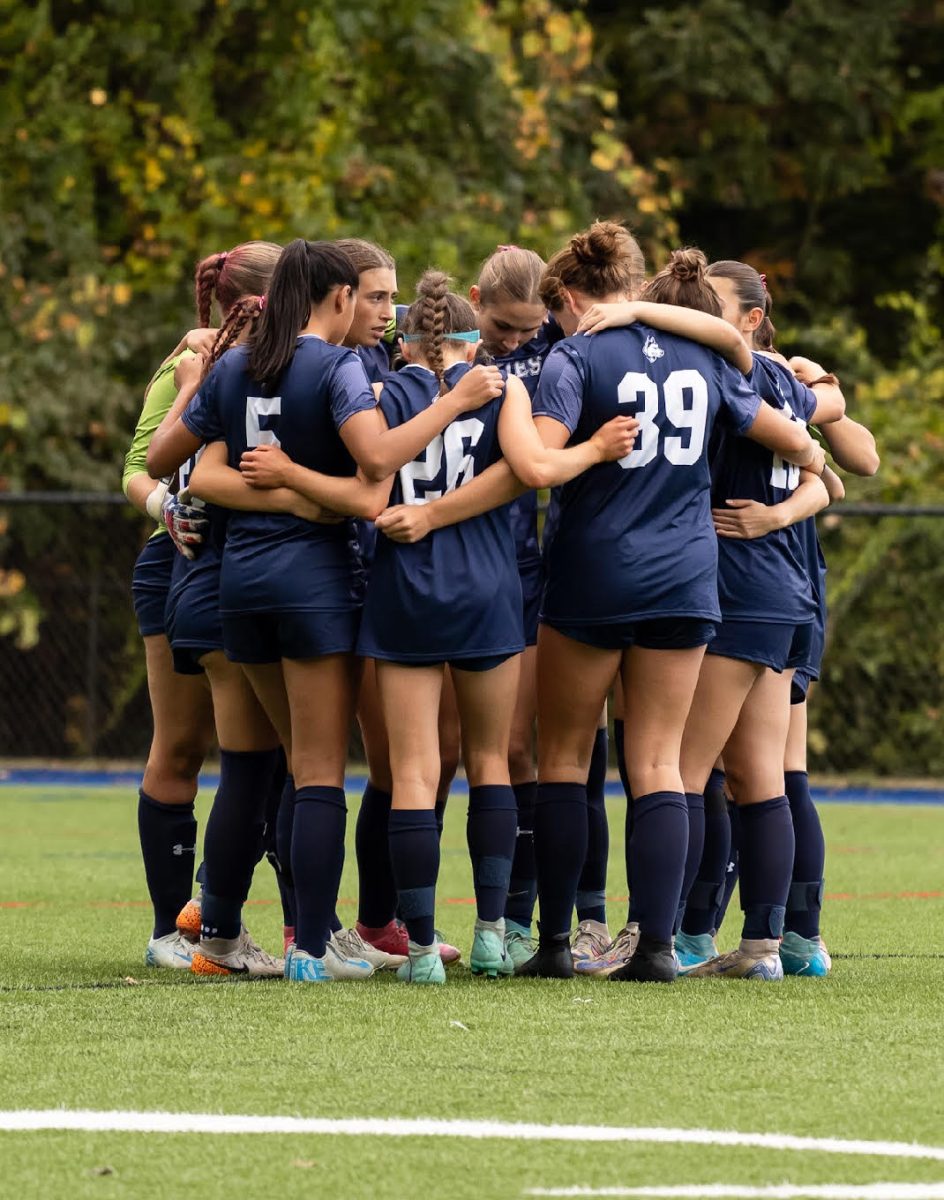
(73,685)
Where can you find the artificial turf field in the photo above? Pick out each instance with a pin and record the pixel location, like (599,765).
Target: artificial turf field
(85,1025)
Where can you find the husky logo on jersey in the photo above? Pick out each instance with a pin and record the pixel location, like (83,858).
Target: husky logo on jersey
(652,350)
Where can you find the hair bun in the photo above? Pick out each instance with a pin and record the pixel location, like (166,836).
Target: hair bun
(687,265)
(601,245)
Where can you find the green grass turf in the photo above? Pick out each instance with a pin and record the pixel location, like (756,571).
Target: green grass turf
(856,1056)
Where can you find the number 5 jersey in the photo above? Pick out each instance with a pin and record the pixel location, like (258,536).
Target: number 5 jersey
(455,593)
(635,540)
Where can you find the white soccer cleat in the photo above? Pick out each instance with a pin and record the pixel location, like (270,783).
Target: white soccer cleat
(235,956)
(171,951)
(349,944)
(332,967)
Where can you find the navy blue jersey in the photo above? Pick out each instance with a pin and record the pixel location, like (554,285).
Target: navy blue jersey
(276,560)
(635,540)
(815,564)
(762,579)
(525,364)
(455,593)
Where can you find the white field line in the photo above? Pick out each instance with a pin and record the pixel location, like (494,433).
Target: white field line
(785,1191)
(168,1122)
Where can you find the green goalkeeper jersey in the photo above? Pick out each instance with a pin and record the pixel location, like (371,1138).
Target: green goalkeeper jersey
(158,399)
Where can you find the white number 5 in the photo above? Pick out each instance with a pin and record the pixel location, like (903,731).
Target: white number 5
(258,407)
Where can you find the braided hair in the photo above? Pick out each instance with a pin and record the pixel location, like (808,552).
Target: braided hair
(434,313)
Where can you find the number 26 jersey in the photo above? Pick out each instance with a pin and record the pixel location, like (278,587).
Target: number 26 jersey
(455,593)
(635,540)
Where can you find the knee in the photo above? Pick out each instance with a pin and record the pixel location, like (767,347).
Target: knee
(486,767)
(177,760)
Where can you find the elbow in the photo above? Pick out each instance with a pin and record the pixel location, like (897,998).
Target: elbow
(534,476)
(373,506)
(375,470)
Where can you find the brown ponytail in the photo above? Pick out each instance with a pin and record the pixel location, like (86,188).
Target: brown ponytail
(206,278)
(434,313)
(683,281)
(751,289)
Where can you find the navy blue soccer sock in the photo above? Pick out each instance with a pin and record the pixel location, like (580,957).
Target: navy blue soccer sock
(766,866)
(560,848)
(277,791)
(706,892)
(523,888)
(284,820)
(696,846)
(377,892)
(806,888)
(732,871)
(168,834)
(317,862)
(655,861)
(440,811)
(414,855)
(591,887)
(233,839)
(491,830)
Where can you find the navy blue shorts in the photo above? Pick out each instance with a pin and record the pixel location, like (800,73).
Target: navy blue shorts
(194,627)
(532,593)
(484,662)
(664,633)
(267,637)
(800,685)
(766,643)
(150,583)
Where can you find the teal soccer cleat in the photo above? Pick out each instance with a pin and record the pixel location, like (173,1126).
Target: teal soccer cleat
(804,956)
(423,966)
(693,949)
(489,954)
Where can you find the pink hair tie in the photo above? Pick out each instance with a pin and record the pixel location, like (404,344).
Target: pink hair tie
(261,300)
(763,280)
(502,249)
(222,259)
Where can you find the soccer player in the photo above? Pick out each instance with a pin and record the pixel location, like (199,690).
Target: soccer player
(455,597)
(631,587)
(742,702)
(181,706)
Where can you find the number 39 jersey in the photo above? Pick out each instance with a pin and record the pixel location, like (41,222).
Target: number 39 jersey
(275,561)
(766,578)
(456,592)
(635,539)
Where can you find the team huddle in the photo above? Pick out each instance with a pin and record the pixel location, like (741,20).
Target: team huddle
(348,529)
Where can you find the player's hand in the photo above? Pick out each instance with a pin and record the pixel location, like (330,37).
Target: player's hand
(265,467)
(405,522)
(806,370)
(201,341)
(189,372)
(616,438)
(477,387)
(607,316)
(744,519)
(187,524)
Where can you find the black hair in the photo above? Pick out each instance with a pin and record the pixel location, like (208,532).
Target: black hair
(304,276)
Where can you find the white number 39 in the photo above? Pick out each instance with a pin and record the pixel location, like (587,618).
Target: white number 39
(638,389)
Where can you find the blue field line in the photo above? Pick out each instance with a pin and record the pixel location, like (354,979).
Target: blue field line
(78,777)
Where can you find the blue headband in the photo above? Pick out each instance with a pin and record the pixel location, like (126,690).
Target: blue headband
(472,336)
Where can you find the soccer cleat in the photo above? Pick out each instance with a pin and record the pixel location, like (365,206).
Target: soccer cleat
(287,961)
(519,945)
(424,965)
(235,956)
(489,955)
(393,939)
(804,956)
(693,949)
(172,950)
(188,920)
(302,967)
(619,953)
(449,954)
(591,941)
(755,958)
(651,962)
(350,944)
(552,960)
